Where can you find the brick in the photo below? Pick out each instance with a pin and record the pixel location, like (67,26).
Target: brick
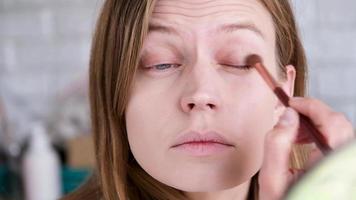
(337,80)
(71,22)
(69,79)
(27,84)
(44,49)
(349,110)
(305,12)
(330,44)
(2,60)
(313,81)
(21,5)
(345,106)
(337,14)
(45,54)
(47,23)
(20,24)
(8,53)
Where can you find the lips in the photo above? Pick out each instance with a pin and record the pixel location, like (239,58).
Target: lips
(201,137)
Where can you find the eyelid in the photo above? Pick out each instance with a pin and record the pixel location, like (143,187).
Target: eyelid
(171,64)
(152,68)
(242,67)
(160,63)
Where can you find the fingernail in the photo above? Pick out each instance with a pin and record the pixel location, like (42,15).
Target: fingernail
(288,118)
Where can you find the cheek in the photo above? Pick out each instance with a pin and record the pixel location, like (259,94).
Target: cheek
(138,126)
(245,115)
(149,115)
(254,118)
(252,111)
(252,103)
(141,117)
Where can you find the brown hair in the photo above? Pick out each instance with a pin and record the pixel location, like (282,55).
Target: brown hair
(120,32)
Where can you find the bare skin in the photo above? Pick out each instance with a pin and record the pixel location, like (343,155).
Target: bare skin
(191,77)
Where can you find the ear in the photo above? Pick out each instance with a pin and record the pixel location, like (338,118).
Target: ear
(287,85)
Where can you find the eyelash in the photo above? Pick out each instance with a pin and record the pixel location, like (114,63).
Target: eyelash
(163,64)
(241,67)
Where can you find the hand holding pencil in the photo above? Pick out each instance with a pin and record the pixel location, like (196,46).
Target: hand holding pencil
(305,120)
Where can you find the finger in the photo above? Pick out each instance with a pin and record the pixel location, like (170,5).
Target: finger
(333,125)
(315,109)
(314,157)
(295,175)
(274,172)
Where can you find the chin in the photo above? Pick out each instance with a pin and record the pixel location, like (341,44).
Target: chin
(208,187)
(203,184)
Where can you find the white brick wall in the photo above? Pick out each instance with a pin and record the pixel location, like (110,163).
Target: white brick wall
(328,28)
(44,46)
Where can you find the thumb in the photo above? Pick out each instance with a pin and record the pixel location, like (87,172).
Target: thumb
(274,172)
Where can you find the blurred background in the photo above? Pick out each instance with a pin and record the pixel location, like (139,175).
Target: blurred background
(44,54)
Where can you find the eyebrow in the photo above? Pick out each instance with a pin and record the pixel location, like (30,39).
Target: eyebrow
(225,28)
(229,28)
(155,27)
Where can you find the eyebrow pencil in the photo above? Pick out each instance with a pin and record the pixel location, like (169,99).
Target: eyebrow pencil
(305,123)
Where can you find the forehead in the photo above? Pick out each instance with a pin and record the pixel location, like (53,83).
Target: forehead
(203,15)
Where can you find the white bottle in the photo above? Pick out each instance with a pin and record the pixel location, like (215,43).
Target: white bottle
(41,168)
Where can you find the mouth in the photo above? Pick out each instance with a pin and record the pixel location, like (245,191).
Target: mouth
(202,144)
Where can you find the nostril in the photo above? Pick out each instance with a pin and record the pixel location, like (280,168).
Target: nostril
(212,106)
(192,105)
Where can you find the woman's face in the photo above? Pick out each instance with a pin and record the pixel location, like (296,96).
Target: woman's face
(192,78)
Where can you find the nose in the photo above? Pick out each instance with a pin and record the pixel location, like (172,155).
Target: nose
(201,92)
(202,102)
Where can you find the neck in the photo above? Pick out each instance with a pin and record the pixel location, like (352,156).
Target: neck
(239,192)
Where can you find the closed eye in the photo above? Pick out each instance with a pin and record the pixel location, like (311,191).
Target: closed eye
(242,67)
(163,66)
